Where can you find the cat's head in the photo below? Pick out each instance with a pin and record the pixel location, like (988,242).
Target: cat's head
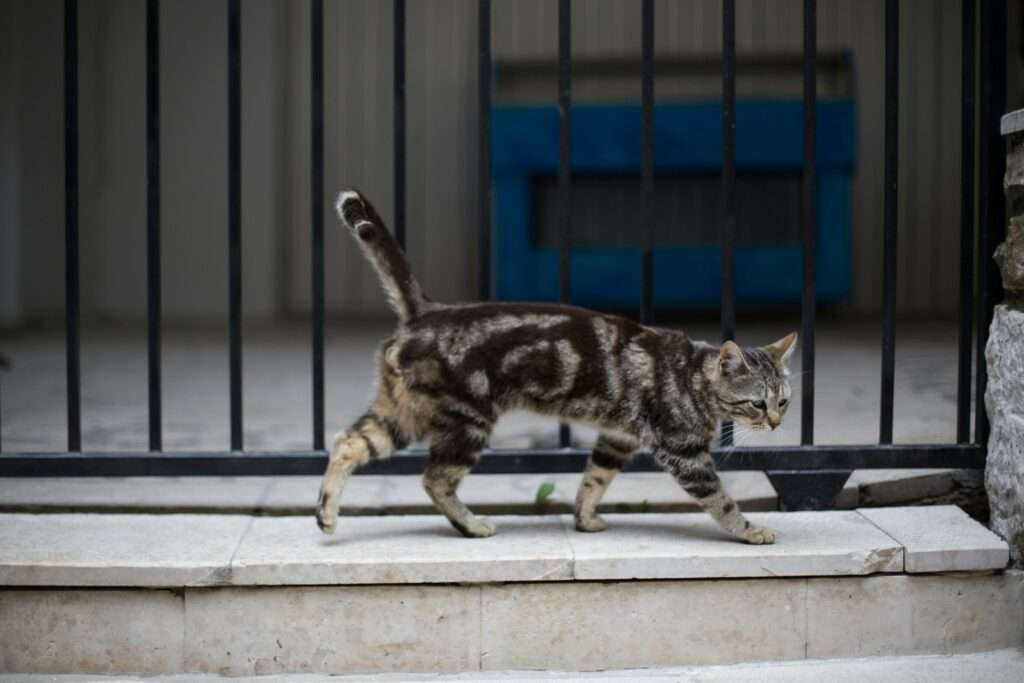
(751,386)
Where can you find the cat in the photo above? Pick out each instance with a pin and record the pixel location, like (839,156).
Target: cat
(449,371)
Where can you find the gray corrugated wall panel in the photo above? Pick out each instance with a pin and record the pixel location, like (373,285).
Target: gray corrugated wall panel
(441,88)
(441,95)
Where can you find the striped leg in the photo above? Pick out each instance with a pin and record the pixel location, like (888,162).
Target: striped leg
(372,436)
(610,455)
(453,454)
(694,470)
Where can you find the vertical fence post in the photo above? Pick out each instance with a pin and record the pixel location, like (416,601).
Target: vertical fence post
(564,166)
(967,102)
(728,231)
(153,221)
(892,34)
(484,150)
(399,119)
(235,219)
(316,180)
(808,222)
(991,201)
(647,153)
(814,490)
(71,276)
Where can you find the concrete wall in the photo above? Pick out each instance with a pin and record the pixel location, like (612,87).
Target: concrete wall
(441,102)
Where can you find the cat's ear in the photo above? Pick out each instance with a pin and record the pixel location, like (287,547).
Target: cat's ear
(730,359)
(781,350)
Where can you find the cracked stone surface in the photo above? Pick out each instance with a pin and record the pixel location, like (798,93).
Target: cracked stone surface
(940,538)
(667,546)
(1004,400)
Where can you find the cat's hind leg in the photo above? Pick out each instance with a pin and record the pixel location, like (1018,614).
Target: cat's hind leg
(373,436)
(453,453)
(611,453)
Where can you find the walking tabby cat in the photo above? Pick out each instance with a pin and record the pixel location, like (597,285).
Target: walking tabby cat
(450,370)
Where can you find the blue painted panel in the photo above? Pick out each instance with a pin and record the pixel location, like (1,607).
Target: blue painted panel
(686,137)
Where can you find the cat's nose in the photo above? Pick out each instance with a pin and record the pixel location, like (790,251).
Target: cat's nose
(774,420)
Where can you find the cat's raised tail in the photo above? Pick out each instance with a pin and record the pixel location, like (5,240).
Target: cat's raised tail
(382,250)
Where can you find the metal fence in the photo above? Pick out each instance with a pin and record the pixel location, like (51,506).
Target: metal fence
(806,476)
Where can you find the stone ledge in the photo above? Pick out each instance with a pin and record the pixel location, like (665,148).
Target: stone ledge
(86,550)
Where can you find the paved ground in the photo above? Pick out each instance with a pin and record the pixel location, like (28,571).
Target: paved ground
(1001,666)
(278,394)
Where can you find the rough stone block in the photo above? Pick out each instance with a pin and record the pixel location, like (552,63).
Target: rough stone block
(1004,400)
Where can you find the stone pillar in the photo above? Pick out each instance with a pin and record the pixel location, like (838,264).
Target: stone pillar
(1004,354)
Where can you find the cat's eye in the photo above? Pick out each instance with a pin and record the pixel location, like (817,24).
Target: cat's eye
(783,402)
(759,405)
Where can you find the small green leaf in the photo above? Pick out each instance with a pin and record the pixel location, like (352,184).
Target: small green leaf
(544,492)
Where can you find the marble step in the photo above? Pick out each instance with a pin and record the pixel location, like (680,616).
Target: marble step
(238,595)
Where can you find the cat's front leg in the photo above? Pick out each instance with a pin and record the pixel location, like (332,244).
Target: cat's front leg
(692,467)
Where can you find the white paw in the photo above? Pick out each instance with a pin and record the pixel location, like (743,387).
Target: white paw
(758,535)
(591,524)
(477,527)
(343,197)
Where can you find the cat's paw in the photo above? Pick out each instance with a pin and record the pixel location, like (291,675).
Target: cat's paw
(326,525)
(591,524)
(476,527)
(325,519)
(758,535)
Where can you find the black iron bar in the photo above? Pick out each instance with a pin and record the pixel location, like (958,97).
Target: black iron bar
(728,231)
(484,151)
(399,120)
(494,461)
(316,176)
(991,200)
(564,166)
(892,31)
(647,151)
(808,222)
(967,66)
(153,221)
(235,219)
(71,277)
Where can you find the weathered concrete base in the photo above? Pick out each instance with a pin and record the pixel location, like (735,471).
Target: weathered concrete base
(449,628)
(1004,400)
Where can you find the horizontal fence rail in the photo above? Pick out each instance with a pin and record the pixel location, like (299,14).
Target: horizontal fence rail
(981,228)
(493,461)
